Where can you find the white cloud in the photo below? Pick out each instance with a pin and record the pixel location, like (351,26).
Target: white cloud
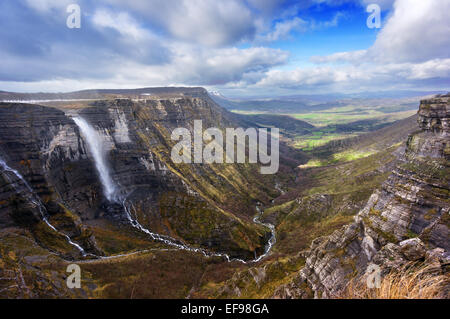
(375,76)
(44,6)
(121,22)
(431,69)
(206,22)
(417,31)
(340,57)
(211,23)
(190,66)
(328,24)
(282,29)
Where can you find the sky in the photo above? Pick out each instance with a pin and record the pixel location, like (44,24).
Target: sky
(236,47)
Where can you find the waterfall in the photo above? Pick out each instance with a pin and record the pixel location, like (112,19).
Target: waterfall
(11,170)
(32,197)
(95,145)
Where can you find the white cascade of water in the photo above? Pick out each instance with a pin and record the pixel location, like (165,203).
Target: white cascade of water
(273,237)
(36,201)
(172,242)
(96,147)
(112,193)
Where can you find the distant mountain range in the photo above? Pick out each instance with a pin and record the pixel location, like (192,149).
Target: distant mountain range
(98,94)
(313,103)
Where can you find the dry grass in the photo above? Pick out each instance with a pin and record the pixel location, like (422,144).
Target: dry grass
(408,282)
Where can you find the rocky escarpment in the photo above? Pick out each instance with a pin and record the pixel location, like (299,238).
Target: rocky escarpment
(102,94)
(407,220)
(209,206)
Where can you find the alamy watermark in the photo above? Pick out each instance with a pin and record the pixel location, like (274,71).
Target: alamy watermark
(74,279)
(74,19)
(374,19)
(373,276)
(234,149)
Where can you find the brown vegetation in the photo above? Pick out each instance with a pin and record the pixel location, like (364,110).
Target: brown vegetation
(408,282)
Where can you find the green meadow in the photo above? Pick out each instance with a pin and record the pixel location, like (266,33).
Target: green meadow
(336,124)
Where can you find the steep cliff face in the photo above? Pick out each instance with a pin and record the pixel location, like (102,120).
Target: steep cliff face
(209,206)
(406,220)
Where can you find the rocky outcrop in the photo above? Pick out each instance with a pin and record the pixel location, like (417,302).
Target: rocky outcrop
(434,114)
(407,220)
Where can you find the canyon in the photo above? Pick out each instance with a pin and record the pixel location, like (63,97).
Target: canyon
(90,180)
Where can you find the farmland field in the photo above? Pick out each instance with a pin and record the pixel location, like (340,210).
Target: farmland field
(343,116)
(337,123)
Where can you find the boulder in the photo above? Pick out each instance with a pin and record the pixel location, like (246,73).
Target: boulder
(413,249)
